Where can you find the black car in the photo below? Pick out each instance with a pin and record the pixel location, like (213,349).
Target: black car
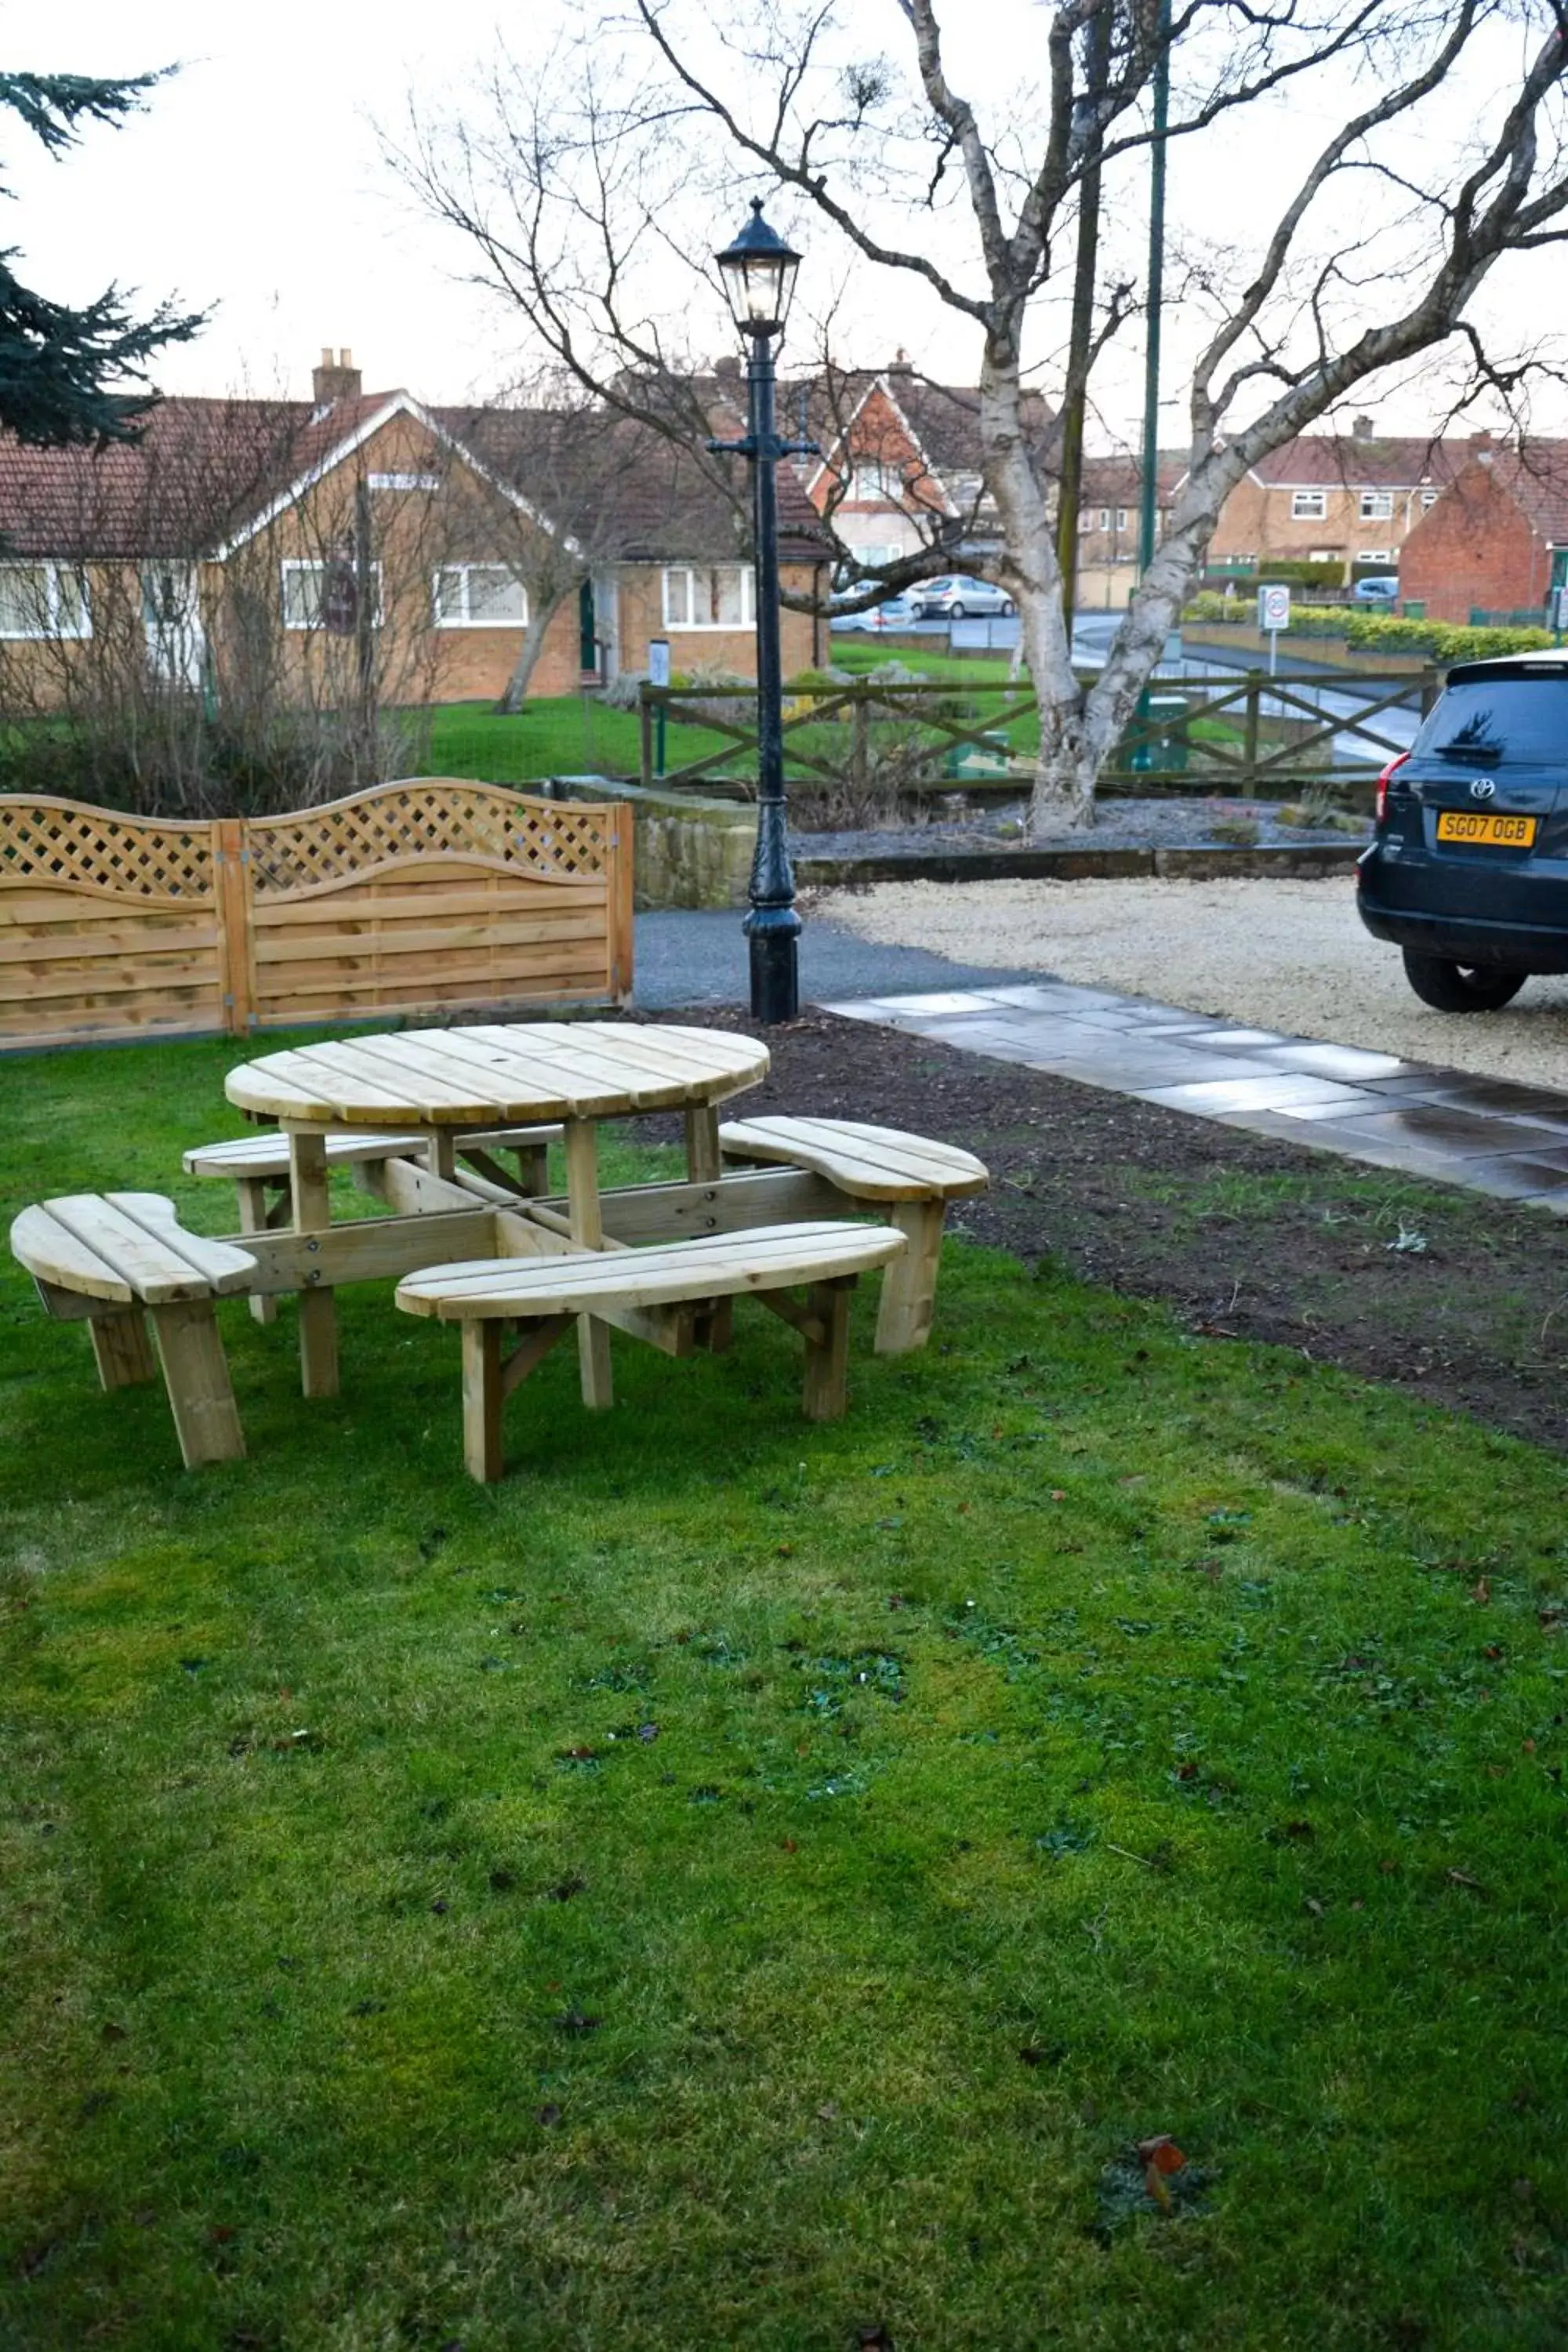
(1469,869)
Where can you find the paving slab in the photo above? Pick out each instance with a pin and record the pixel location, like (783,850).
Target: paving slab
(1509,1141)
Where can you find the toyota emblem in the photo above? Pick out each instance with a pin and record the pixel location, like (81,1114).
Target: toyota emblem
(1482,788)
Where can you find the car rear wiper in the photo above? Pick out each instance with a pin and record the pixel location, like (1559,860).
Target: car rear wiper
(1487,754)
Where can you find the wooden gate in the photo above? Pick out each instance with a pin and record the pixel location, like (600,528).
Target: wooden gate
(420,898)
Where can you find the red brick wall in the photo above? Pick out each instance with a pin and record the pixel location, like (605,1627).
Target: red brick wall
(1474,551)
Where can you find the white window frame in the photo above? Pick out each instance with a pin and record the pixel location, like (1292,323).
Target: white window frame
(403,481)
(465,620)
(1377,505)
(1375,555)
(1429,500)
(293,563)
(690,573)
(873,482)
(51,630)
(1121,518)
(1105,518)
(1309,506)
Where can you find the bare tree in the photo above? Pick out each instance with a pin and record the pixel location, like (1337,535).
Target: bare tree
(185,641)
(570,192)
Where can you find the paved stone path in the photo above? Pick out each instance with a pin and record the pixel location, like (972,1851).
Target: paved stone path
(1508,1141)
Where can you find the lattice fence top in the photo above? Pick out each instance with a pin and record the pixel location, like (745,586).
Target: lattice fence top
(64,842)
(426,819)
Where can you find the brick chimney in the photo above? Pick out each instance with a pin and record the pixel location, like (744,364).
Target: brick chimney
(900,363)
(336,378)
(1361,429)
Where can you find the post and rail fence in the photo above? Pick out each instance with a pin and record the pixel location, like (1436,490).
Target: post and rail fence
(426,898)
(1255,736)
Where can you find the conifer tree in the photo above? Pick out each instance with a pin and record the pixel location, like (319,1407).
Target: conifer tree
(60,367)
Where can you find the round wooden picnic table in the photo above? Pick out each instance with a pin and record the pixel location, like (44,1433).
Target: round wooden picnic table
(502,1075)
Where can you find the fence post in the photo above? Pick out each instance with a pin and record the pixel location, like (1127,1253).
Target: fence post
(859,744)
(231,861)
(645,716)
(1250,744)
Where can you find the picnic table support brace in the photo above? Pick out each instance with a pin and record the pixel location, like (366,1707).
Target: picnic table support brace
(586,1222)
(318,1313)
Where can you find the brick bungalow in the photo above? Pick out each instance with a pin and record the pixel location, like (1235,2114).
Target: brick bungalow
(1498,542)
(247,545)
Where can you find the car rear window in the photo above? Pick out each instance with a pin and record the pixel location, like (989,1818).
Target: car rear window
(1497,720)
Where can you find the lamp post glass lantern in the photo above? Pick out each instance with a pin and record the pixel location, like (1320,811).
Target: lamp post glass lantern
(759,274)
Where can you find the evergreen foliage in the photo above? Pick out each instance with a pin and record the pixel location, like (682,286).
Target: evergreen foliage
(58,364)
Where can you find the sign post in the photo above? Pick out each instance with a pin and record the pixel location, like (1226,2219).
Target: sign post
(1273,614)
(659,675)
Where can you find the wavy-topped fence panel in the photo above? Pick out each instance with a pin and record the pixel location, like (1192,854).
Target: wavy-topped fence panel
(433,896)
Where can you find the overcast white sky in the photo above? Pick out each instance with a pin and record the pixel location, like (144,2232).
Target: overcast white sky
(255,184)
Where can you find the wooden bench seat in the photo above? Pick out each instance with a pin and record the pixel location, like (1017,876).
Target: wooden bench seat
(908,1179)
(666,1293)
(258,1168)
(123,1259)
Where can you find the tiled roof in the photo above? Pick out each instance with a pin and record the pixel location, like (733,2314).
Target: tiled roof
(1118,479)
(1535,474)
(202,469)
(943,417)
(1361,462)
(625,490)
(206,468)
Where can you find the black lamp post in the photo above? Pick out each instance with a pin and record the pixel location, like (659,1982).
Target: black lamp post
(759,274)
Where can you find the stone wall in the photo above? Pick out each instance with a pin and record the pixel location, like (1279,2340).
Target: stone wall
(688,852)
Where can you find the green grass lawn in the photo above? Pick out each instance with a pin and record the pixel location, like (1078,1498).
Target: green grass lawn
(745,1882)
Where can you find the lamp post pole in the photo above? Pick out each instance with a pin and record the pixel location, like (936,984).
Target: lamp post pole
(758,272)
(772,926)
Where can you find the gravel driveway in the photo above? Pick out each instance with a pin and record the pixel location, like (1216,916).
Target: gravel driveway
(1277,955)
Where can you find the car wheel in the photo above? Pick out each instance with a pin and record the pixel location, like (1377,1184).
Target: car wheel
(1008,608)
(1459,987)
(955,612)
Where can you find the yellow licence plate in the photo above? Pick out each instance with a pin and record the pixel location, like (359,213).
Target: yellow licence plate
(1492,831)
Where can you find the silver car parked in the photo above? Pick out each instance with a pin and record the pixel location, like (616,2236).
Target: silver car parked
(955,597)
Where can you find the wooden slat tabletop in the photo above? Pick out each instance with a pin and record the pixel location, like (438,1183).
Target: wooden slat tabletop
(495,1074)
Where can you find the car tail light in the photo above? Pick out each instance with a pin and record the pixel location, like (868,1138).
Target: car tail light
(1380,807)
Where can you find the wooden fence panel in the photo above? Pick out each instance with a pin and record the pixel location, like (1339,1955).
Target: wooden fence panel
(109,925)
(420,897)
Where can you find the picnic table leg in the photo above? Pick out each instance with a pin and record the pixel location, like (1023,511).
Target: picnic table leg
(705,1165)
(318,1313)
(195,1374)
(121,1350)
(909,1285)
(586,1220)
(253,1213)
(481,1398)
(826,1391)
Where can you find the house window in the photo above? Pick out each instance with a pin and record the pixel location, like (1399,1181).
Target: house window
(1428,500)
(1309,506)
(722,597)
(870,478)
(326,596)
(1120,517)
(1086,520)
(1105,518)
(479,596)
(1377,505)
(1375,555)
(43,600)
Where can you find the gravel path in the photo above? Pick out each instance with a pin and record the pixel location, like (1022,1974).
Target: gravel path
(1277,955)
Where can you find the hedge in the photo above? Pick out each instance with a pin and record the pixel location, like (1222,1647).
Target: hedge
(1381,633)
